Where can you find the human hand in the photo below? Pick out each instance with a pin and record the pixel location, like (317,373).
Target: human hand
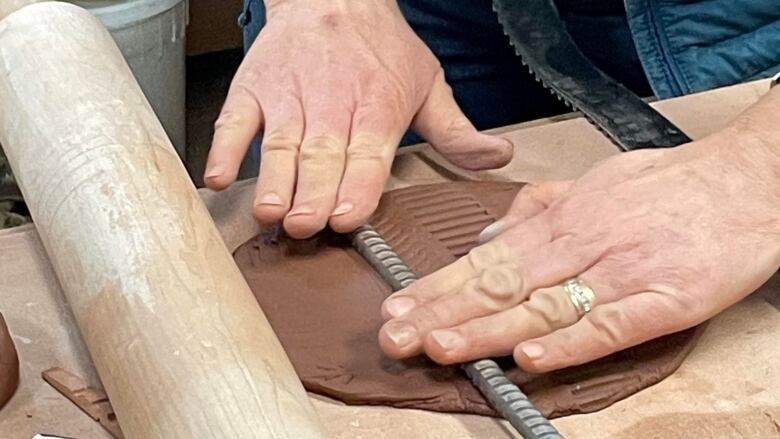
(334,88)
(665,238)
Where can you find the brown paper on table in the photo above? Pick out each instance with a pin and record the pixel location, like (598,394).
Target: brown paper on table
(727,387)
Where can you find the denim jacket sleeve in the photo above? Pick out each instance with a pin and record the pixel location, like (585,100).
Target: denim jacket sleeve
(687,46)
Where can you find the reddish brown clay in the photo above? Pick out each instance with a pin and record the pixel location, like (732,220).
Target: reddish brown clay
(93,402)
(9,364)
(323,302)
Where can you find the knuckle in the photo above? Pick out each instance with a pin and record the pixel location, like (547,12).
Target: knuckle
(229,119)
(280,140)
(610,324)
(365,139)
(368,145)
(488,255)
(452,134)
(429,316)
(500,285)
(372,152)
(550,308)
(248,76)
(321,146)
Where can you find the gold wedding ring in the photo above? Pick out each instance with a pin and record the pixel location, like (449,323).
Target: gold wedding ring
(580,294)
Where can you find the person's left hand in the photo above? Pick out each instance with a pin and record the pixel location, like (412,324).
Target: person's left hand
(666,239)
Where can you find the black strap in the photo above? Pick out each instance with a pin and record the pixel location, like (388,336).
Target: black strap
(540,38)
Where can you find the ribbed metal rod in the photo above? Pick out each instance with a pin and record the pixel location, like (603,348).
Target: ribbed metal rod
(486,375)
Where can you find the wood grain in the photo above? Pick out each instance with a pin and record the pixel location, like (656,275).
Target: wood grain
(180,344)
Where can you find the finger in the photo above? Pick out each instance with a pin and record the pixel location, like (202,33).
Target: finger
(448,279)
(554,262)
(496,335)
(542,263)
(320,168)
(279,161)
(496,289)
(530,201)
(442,123)
(545,311)
(237,124)
(606,329)
(523,240)
(375,135)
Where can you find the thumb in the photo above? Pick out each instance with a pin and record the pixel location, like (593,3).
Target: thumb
(532,200)
(238,123)
(442,123)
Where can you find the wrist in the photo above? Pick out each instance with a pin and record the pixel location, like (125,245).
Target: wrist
(761,121)
(746,156)
(753,138)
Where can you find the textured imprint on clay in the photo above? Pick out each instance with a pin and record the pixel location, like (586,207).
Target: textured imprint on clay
(453,217)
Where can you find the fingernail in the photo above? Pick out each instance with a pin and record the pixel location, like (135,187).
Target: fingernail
(301,210)
(491,231)
(448,340)
(399,306)
(533,351)
(215,171)
(401,334)
(343,208)
(270,199)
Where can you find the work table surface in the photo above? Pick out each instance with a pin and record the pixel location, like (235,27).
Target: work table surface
(727,387)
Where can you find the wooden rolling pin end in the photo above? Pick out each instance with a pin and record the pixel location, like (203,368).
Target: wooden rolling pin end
(176,335)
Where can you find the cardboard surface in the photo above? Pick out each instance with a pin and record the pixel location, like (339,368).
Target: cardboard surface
(728,386)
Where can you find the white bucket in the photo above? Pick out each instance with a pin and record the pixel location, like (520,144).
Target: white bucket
(151,36)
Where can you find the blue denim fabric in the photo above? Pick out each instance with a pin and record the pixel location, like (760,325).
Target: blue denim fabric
(488,80)
(688,46)
(252,20)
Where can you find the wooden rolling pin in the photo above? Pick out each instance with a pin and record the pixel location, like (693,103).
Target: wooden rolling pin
(180,344)
(8,6)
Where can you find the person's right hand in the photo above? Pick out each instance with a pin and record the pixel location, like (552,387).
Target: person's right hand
(333,88)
